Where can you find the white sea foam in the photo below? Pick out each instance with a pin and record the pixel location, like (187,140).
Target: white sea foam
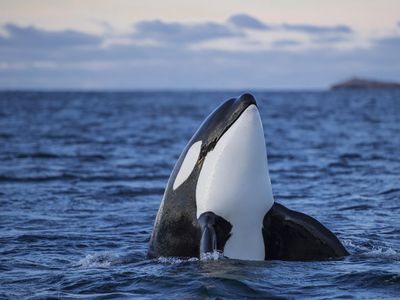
(375,251)
(209,256)
(349,243)
(175,260)
(98,260)
(382,252)
(215,255)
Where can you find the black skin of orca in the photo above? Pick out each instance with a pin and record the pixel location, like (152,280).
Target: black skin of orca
(291,235)
(288,235)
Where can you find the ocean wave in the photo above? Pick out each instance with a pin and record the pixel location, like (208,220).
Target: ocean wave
(175,260)
(383,252)
(209,256)
(123,191)
(370,279)
(38,155)
(107,259)
(346,156)
(44,178)
(373,251)
(83,178)
(389,191)
(359,207)
(98,260)
(50,155)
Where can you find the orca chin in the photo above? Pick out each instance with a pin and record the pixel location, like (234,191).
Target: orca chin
(219,198)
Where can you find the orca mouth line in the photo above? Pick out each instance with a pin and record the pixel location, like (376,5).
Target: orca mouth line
(209,147)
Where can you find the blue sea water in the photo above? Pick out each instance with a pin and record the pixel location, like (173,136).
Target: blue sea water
(82,175)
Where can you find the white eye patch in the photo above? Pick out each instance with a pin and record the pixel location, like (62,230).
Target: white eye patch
(188,164)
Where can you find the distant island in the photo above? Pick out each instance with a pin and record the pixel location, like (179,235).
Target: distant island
(361,83)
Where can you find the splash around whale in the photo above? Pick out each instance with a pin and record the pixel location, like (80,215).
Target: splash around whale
(219,198)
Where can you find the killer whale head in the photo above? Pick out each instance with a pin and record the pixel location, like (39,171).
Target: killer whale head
(219,197)
(212,131)
(222,171)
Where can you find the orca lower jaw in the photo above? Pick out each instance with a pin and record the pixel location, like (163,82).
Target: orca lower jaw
(218,235)
(208,241)
(215,232)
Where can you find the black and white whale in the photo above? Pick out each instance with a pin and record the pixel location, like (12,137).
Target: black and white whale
(219,197)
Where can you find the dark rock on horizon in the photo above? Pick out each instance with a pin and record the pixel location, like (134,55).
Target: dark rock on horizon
(359,83)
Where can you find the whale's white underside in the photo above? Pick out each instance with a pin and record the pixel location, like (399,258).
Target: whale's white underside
(234,183)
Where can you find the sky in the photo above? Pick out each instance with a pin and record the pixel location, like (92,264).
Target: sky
(193,44)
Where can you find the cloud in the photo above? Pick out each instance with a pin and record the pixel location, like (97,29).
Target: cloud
(286,42)
(330,39)
(246,21)
(182,33)
(149,67)
(392,42)
(33,37)
(389,49)
(35,58)
(313,29)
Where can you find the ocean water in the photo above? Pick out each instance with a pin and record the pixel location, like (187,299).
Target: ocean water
(82,176)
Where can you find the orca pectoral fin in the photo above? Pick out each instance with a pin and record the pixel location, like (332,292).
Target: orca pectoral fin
(291,235)
(208,242)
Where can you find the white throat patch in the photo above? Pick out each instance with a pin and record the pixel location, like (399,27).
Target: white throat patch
(188,164)
(234,183)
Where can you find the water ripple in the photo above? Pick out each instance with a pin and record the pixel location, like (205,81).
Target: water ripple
(82,176)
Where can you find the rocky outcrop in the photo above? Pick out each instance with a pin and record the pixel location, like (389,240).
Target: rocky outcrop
(360,83)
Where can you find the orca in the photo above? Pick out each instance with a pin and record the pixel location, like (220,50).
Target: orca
(219,198)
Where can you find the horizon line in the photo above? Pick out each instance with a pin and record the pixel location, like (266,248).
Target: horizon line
(2,90)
